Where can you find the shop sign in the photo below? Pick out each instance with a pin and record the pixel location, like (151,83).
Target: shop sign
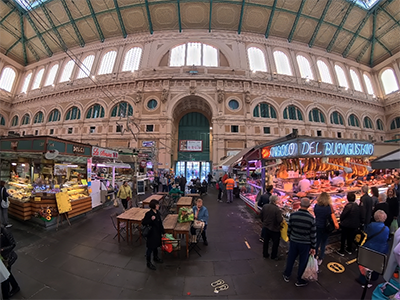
(190,146)
(101,152)
(78,149)
(143,155)
(143,163)
(147,144)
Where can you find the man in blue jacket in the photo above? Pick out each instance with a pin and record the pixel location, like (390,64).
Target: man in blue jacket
(201,214)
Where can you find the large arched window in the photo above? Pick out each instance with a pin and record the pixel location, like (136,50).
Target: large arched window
(256,59)
(38,79)
(86,67)
(356,81)
(291,112)
(39,118)
(194,54)
(67,72)
(2,121)
(324,72)
(282,63)
(341,76)
(54,115)
(395,123)
(7,79)
(26,119)
(368,123)
(305,67)
(379,124)
(353,121)
(122,109)
(107,63)
(389,81)
(132,59)
(264,110)
(27,80)
(14,121)
(368,84)
(73,113)
(95,111)
(316,115)
(52,75)
(337,118)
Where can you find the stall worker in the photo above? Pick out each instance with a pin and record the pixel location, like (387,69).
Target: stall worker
(229,183)
(201,214)
(337,180)
(304,184)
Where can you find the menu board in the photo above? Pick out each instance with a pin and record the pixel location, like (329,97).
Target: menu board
(63,203)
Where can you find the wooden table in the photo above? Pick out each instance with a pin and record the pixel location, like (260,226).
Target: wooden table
(170,222)
(152,197)
(195,197)
(162,193)
(183,228)
(130,217)
(183,202)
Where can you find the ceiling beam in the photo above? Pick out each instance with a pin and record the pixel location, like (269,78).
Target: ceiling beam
(241,17)
(393,19)
(271,15)
(13,45)
(321,19)
(296,21)
(384,47)
(371,41)
(333,40)
(72,22)
(7,15)
(53,26)
(99,31)
(148,16)
(179,15)
(121,21)
(209,22)
(33,51)
(39,35)
(21,21)
(371,57)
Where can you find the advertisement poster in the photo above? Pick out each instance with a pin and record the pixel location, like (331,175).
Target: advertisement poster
(190,146)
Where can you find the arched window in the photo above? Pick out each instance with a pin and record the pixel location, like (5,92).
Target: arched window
(54,115)
(264,110)
(379,124)
(256,59)
(52,75)
(26,83)
(73,113)
(368,123)
(95,111)
(356,81)
(324,72)
(38,79)
(14,121)
(389,81)
(39,118)
(305,67)
(336,118)
(282,63)
(26,119)
(67,72)
(395,123)
(368,84)
(210,56)
(7,79)
(132,59)
(177,57)
(341,76)
(122,109)
(291,112)
(353,121)
(107,63)
(194,54)
(316,115)
(86,67)
(2,121)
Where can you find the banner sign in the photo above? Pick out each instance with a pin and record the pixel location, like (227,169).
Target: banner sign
(106,153)
(190,145)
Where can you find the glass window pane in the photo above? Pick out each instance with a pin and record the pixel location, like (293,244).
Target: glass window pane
(256,60)
(324,72)
(2,121)
(305,67)
(132,59)
(256,112)
(7,79)
(210,56)
(389,81)
(86,67)
(67,72)
(38,79)
(193,54)
(273,112)
(368,84)
(52,75)
(107,63)
(282,63)
(356,81)
(177,58)
(26,83)
(341,77)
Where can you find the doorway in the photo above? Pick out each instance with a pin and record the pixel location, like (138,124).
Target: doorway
(193,169)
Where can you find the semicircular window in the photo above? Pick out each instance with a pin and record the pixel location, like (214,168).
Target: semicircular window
(54,115)
(367,123)
(152,104)
(95,111)
(122,109)
(291,112)
(26,119)
(233,104)
(395,123)
(264,110)
(337,118)
(316,115)
(73,113)
(39,118)
(353,121)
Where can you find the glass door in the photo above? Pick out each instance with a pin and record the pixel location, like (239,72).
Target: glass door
(205,169)
(180,168)
(192,170)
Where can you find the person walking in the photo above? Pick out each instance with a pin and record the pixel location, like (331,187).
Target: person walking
(303,238)
(220,186)
(4,204)
(125,194)
(154,239)
(366,205)
(322,211)
(271,217)
(9,257)
(230,183)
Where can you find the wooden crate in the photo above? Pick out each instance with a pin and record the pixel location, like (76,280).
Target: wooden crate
(80,206)
(20,210)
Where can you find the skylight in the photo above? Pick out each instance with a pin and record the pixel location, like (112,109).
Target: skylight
(30,4)
(366,4)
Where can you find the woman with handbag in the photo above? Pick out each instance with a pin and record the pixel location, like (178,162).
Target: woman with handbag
(125,194)
(153,219)
(9,257)
(322,211)
(4,204)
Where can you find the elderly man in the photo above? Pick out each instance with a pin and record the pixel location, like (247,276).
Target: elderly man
(302,234)
(366,205)
(271,217)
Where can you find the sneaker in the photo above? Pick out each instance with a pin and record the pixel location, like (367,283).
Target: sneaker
(286,278)
(339,252)
(8,225)
(261,240)
(300,284)
(368,286)
(319,261)
(349,252)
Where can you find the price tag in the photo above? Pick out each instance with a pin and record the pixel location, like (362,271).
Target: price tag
(83,181)
(38,199)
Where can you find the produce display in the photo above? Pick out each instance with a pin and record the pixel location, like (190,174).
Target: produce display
(20,191)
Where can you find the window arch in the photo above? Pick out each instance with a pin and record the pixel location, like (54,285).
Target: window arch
(39,118)
(67,72)
(86,67)
(14,121)
(395,123)
(316,115)
(26,119)
(353,121)
(324,72)
(7,79)
(73,113)
(368,123)
(291,112)
(194,53)
(341,76)
(389,81)
(379,124)
(305,67)
(52,75)
(27,80)
(337,118)
(95,111)
(368,84)
(132,59)
(122,109)
(107,62)
(2,120)
(264,110)
(356,81)
(282,63)
(38,79)
(54,115)
(256,59)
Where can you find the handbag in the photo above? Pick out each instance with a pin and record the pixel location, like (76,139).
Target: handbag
(331,222)
(145,229)
(362,237)
(198,224)
(5,203)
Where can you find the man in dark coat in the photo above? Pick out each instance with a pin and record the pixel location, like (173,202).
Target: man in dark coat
(264,199)
(182,184)
(366,203)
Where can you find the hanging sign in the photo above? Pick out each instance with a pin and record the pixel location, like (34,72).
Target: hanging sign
(101,152)
(190,145)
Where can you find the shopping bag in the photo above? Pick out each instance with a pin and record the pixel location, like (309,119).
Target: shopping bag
(115,202)
(311,271)
(173,241)
(166,245)
(284,229)
(360,238)
(4,273)
(394,226)
(185,215)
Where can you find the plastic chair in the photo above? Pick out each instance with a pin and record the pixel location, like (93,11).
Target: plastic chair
(195,240)
(122,229)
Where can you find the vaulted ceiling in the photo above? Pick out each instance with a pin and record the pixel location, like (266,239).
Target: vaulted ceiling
(45,27)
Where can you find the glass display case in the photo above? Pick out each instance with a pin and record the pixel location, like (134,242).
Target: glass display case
(250,192)
(20,191)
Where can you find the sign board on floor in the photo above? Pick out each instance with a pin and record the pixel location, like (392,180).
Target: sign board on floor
(63,203)
(140,187)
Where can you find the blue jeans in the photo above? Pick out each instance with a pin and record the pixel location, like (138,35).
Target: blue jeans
(322,238)
(301,250)
(229,195)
